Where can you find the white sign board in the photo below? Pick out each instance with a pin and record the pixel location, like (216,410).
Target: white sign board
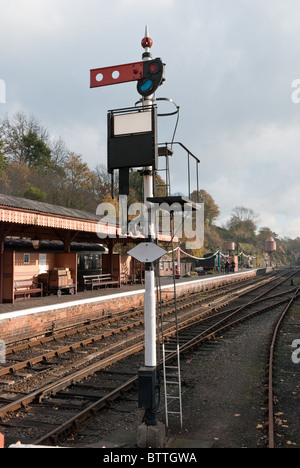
(147,252)
(138,122)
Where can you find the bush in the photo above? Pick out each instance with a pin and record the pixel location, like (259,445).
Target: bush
(34,193)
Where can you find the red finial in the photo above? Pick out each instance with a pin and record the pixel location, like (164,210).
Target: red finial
(147,41)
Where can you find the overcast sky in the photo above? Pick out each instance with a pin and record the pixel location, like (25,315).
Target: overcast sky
(230,65)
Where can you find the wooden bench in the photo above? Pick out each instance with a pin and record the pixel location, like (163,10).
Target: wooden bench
(87,280)
(27,287)
(100,280)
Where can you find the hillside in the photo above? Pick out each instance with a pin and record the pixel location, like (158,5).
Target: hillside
(35,166)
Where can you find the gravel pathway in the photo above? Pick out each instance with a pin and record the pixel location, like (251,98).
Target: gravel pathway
(225,396)
(225,393)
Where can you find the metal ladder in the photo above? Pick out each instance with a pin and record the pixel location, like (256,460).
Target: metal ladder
(172,384)
(171,374)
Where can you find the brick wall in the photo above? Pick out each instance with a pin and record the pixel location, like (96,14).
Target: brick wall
(24,324)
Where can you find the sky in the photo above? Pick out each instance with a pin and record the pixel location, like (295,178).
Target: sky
(232,66)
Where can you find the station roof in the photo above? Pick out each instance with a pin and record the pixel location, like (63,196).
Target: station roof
(37,206)
(20,217)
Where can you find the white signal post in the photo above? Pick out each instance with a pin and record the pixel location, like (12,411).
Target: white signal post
(149,300)
(148,252)
(148,101)
(147,375)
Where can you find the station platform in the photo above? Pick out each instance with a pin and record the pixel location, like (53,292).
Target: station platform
(42,315)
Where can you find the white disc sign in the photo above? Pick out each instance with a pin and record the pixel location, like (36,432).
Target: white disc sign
(146,252)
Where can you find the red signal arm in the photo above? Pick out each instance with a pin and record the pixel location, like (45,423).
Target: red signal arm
(116,74)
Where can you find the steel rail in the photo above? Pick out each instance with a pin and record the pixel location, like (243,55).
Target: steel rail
(111,318)
(52,388)
(45,357)
(49,389)
(29,363)
(271,368)
(222,326)
(105,320)
(72,424)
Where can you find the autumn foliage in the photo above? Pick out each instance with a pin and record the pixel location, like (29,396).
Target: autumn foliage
(34,165)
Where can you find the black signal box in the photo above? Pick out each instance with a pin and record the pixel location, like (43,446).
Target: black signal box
(132,138)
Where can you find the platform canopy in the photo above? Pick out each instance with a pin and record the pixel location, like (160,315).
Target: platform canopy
(20,217)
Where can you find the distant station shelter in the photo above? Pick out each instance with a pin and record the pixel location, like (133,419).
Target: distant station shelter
(37,237)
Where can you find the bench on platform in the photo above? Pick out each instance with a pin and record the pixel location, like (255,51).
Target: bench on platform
(27,287)
(100,280)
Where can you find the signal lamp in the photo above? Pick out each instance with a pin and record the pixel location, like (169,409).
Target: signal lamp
(153,77)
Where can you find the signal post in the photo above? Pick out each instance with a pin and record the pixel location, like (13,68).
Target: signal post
(132,142)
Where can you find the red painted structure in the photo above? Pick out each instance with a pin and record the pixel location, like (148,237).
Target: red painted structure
(117,74)
(28,219)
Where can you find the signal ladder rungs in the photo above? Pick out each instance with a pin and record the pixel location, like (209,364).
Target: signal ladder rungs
(172,397)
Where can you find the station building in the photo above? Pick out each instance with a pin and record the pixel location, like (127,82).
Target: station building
(37,237)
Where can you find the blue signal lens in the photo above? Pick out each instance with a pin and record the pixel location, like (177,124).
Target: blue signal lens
(146,85)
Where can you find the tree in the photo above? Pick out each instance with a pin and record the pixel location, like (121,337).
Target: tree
(3,164)
(136,187)
(17,176)
(34,193)
(78,175)
(100,182)
(27,142)
(211,209)
(59,151)
(78,182)
(245,214)
(12,133)
(242,224)
(36,152)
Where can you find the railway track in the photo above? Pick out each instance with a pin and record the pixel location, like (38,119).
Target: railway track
(200,320)
(272,357)
(62,342)
(108,319)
